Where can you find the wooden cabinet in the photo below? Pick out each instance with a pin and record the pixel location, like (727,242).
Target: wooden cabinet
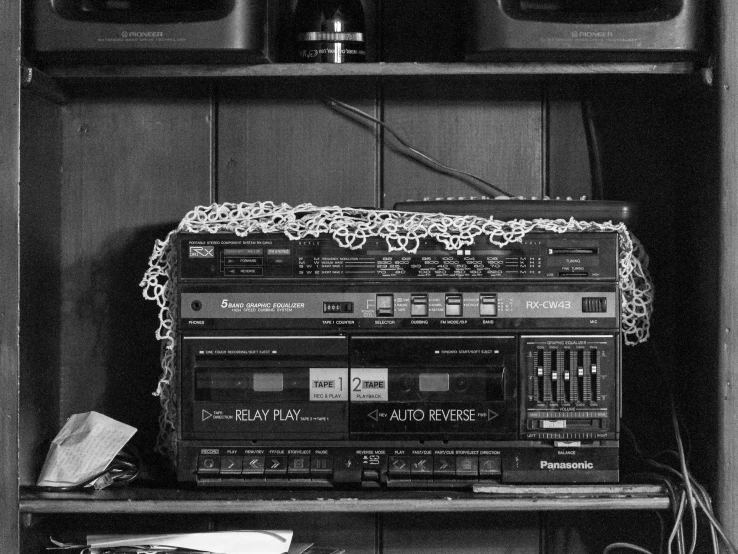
(91,177)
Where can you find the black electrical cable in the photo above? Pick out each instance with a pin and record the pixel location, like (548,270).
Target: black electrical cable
(692,496)
(490,188)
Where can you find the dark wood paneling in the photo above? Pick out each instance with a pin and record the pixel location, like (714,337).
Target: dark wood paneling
(490,129)
(567,162)
(422,31)
(280,142)
(135,161)
(580,532)
(467,533)
(657,146)
(40,268)
(9,284)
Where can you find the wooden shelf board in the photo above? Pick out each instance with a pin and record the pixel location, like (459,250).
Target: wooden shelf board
(405,69)
(218,501)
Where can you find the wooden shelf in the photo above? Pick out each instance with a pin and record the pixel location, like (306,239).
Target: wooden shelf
(294,70)
(501,498)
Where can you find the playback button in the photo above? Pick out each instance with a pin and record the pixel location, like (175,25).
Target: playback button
(231,465)
(398,467)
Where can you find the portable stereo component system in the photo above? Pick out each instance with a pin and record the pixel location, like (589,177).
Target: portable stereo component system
(618,28)
(306,364)
(120,31)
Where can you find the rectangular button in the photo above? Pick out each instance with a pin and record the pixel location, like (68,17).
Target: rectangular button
(209,465)
(253,465)
(231,465)
(385,305)
(399,467)
(444,466)
(467,466)
(275,466)
(454,305)
(298,466)
(490,465)
(321,466)
(419,305)
(488,305)
(421,467)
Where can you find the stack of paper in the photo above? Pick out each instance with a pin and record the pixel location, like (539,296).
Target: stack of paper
(218,542)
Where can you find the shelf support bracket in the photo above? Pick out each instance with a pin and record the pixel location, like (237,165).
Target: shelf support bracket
(37,82)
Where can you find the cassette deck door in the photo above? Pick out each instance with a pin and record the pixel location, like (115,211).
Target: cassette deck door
(247,387)
(433,387)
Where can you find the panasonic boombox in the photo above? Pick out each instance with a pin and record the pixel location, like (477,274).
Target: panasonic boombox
(303,363)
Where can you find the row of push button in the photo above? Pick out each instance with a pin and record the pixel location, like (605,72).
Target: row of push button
(398,467)
(453,305)
(444,466)
(265,466)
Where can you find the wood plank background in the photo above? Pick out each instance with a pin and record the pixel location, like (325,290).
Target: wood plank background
(126,163)
(486,128)
(135,161)
(279,142)
(40,271)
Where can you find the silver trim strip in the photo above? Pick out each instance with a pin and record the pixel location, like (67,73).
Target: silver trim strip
(330,37)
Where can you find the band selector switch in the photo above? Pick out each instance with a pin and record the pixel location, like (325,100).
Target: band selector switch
(487,305)
(385,305)
(454,305)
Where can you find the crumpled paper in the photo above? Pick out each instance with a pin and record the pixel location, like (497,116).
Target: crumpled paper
(84,447)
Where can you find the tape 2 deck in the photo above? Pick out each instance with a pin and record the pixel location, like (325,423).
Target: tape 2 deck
(306,364)
(160,31)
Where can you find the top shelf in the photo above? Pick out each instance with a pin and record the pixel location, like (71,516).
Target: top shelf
(405,69)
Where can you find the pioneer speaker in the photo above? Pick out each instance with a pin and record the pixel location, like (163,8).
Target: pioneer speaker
(161,31)
(601,28)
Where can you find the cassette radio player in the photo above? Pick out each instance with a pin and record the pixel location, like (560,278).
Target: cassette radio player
(306,364)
